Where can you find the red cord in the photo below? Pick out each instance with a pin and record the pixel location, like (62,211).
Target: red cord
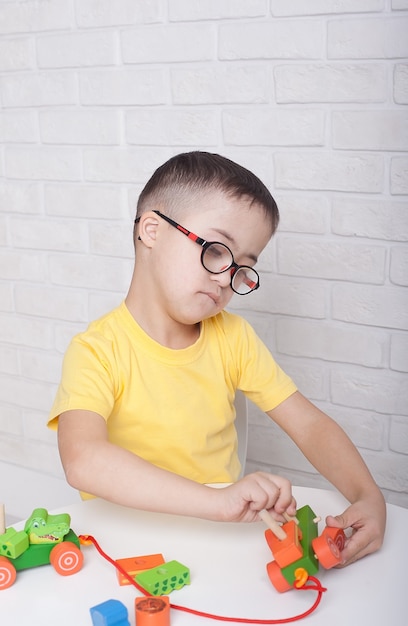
(316,586)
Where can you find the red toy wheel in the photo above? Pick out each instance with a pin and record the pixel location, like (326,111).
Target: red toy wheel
(66,558)
(328,546)
(277,578)
(7,573)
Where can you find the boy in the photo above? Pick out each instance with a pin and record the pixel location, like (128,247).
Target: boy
(145,407)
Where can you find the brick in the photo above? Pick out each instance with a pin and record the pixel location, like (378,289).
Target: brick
(6,297)
(39,89)
(401,84)
(21,265)
(390,470)
(110,239)
(370,130)
(80,127)
(220,84)
(380,38)
(51,302)
(46,234)
(122,87)
(273,127)
(34,423)
(399,175)
(77,50)
(11,422)
(283,8)
(371,305)
(32,454)
(172,127)
(399,267)
(399,435)
(375,219)
(40,366)
(25,331)
(330,83)
(100,13)
(3,231)
(399,352)
(18,127)
(20,197)
(276,39)
(16,54)
(303,214)
(130,165)
(168,43)
(185,10)
(331,342)
(90,272)
(331,259)
(370,389)
(43,163)
(35,15)
(329,171)
(85,201)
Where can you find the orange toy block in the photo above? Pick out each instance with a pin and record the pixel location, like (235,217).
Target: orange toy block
(136,564)
(152,611)
(289,550)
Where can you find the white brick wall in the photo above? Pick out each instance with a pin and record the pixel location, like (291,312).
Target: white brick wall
(312,96)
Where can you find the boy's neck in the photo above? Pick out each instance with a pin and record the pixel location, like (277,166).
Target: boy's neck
(167,333)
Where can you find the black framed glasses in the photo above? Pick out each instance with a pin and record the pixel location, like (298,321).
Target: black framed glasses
(217,258)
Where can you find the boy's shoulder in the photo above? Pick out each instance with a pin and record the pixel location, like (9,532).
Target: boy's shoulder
(105,326)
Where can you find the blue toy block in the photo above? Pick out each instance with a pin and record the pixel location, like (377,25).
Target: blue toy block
(110,613)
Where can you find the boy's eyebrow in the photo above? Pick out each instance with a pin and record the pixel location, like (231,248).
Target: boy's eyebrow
(231,239)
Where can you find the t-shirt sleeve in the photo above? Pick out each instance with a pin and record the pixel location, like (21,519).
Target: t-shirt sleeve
(87,380)
(260,377)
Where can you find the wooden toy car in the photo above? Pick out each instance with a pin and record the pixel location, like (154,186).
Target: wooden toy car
(298,550)
(45,539)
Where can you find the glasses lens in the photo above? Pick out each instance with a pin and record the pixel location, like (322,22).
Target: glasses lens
(245,280)
(216,258)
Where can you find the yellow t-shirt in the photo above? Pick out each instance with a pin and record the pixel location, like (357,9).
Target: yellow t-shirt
(174,408)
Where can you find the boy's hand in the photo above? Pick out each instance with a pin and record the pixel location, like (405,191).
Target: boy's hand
(366,518)
(242,501)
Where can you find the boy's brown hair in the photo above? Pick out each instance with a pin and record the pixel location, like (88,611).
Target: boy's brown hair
(185,176)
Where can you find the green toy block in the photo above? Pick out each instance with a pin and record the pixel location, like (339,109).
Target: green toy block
(308,561)
(163,579)
(13,543)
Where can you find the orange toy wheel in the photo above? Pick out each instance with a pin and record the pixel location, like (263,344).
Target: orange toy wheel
(7,573)
(66,558)
(277,578)
(328,546)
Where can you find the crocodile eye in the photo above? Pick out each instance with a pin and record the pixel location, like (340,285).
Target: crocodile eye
(35,525)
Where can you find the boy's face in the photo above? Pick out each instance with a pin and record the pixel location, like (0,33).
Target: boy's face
(187,291)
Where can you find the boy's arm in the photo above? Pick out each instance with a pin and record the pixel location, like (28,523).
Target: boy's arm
(332,453)
(95,465)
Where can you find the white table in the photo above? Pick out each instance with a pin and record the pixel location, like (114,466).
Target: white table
(227,563)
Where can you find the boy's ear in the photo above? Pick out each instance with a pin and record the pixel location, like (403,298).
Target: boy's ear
(148,225)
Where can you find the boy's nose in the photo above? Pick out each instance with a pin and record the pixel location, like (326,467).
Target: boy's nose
(224,279)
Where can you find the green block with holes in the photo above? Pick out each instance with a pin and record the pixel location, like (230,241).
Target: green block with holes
(164,579)
(309,530)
